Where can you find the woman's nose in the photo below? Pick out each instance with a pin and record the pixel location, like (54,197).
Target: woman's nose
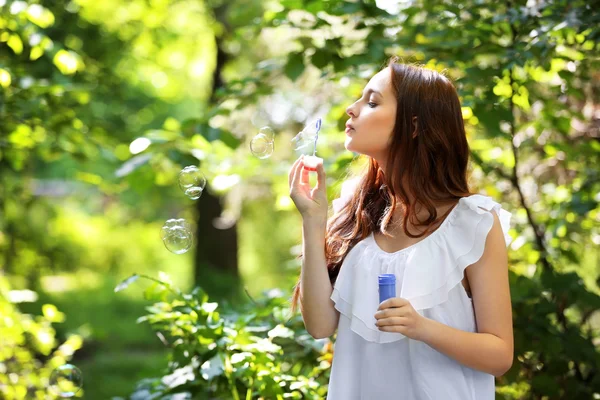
(350,111)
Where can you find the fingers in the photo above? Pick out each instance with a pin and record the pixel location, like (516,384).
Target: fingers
(297,171)
(392,321)
(393,302)
(299,175)
(305,176)
(393,312)
(320,176)
(293,170)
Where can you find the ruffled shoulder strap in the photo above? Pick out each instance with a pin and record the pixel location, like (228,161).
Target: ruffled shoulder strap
(477,202)
(438,265)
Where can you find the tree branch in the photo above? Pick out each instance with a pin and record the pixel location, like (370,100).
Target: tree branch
(561,302)
(514,179)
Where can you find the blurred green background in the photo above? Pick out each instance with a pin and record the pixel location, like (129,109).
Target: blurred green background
(83,198)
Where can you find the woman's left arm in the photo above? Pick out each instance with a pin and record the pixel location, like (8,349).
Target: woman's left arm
(491,348)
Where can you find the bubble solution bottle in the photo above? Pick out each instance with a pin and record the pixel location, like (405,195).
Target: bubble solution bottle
(387,287)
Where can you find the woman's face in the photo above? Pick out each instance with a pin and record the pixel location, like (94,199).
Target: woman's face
(372,118)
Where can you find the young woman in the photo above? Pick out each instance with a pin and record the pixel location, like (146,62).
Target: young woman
(410,213)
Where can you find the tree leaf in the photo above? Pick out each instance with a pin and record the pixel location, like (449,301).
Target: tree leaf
(295,66)
(320,59)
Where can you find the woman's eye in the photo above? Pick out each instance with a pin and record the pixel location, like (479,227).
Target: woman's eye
(371,104)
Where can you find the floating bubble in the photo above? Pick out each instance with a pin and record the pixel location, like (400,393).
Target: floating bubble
(192,181)
(306,140)
(177,235)
(193,192)
(304,145)
(268,132)
(170,223)
(66,381)
(262,146)
(179,240)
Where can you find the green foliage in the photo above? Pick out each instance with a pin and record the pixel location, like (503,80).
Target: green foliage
(29,350)
(116,352)
(59,128)
(253,352)
(528,81)
(80,80)
(528,84)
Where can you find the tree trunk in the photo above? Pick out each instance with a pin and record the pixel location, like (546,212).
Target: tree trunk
(216,259)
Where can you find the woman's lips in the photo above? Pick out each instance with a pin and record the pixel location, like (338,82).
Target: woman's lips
(348,130)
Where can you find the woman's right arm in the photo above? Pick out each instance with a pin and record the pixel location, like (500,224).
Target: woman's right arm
(318,311)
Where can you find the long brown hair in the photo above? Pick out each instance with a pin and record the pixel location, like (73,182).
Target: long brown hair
(427,163)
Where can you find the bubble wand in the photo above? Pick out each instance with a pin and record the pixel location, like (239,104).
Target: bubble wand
(318,126)
(310,162)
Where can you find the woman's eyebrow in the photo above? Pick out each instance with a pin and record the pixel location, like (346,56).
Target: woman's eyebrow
(369,91)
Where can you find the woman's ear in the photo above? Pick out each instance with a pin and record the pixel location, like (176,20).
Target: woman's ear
(415,127)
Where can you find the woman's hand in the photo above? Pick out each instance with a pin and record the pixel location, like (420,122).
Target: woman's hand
(398,315)
(312,203)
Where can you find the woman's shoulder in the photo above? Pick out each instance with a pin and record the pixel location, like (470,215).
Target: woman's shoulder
(478,200)
(476,208)
(439,264)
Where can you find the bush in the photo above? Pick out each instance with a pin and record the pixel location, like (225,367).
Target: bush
(259,352)
(28,349)
(254,353)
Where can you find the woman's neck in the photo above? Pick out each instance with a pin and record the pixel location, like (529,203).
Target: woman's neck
(396,226)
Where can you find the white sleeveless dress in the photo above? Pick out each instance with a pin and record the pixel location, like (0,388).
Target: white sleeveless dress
(369,364)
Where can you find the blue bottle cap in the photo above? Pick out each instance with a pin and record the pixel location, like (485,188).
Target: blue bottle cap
(387,279)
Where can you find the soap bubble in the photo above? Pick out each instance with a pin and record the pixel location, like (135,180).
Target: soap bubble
(268,132)
(192,182)
(306,140)
(261,146)
(177,235)
(66,381)
(304,145)
(263,143)
(193,192)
